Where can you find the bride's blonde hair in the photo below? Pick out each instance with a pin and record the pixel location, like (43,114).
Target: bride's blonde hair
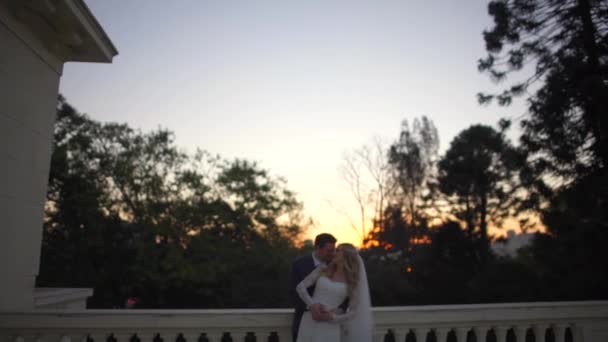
(351,266)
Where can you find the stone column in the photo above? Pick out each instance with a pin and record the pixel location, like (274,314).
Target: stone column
(32,55)
(28,97)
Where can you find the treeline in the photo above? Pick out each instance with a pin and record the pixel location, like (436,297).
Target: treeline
(130,215)
(430,240)
(431,214)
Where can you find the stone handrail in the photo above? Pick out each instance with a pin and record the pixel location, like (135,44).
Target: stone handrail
(515,322)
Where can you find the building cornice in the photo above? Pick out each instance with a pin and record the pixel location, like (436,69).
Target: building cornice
(64,29)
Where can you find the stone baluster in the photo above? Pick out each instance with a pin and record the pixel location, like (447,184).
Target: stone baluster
(41,338)
(25,337)
(100,336)
(284,334)
(559,330)
(520,333)
(230,334)
(48,337)
(420,334)
(441,334)
(262,335)
(177,336)
(31,337)
(480,333)
(74,337)
(461,334)
(145,336)
(237,335)
(123,336)
(241,335)
(215,335)
(540,331)
(191,335)
(577,333)
(159,337)
(266,335)
(501,333)
(399,334)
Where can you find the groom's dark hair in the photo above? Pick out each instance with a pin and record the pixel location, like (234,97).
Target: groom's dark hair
(323,238)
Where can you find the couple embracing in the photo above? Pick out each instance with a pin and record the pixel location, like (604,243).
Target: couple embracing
(331,294)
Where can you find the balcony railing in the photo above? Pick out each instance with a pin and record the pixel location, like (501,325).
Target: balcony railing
(518,322)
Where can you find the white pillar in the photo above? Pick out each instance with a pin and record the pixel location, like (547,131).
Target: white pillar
(28,97)
(32,55)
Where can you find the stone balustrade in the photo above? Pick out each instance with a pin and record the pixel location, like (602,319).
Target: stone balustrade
(517,322)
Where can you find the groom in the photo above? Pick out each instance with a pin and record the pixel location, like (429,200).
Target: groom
(325,248)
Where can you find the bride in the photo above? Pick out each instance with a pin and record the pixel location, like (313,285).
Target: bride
(343,278)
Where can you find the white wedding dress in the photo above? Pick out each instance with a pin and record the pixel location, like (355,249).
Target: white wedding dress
(327,292)
(354,325)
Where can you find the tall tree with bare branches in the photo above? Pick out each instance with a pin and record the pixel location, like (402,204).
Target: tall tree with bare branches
(366,172)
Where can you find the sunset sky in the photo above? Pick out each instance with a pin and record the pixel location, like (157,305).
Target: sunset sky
(289,84)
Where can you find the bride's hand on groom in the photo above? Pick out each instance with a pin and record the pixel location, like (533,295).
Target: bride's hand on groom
(320,313)
(316,310)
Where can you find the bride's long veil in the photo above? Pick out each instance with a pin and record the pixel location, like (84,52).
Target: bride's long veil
(360,327)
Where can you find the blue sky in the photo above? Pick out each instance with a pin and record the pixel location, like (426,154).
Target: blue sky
(290,84)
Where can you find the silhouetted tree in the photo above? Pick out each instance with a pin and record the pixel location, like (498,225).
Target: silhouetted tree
(478,177)
(563,46)
(572,258)
(130,215)
(396,234)
(445,267)
(85,242)
(413,158)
